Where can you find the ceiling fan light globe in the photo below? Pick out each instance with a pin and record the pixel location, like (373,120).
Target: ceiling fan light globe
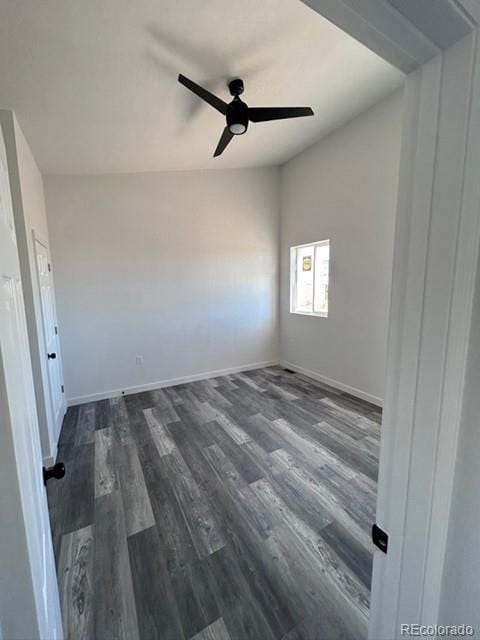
(237,128)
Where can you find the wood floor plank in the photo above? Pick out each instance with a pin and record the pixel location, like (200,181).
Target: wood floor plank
(318,627)
(75,577)
(81,488)
(193,452)
(243,616)
(352,495)
(248,468)
(192,412)
(314,385)
(300,494)
(156,606)
(179,548)
(282,392)
(103,415)
(233,429)
(226,472)
(215,631)
(309,590)
(246,532)
(197,607)
(115,611)
(316,412)
(337,575)
(138,426)
(254,402)
(260,429)
(249,381)
(239,405)
(174,395)
(164,407)
(162,401)
(136,500)
(310,499)
(105,472)
(85,432)
(120,419)
(352,454)
(206,392)
(177,542)
(193,418)
(299,414)
(347,547)
(206,534)
(272,463)
(309,452)
(161,437)
(69,427)
(349,415)
(140,401)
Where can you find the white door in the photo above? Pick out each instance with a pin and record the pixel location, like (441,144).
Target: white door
(29,601)
(50,334)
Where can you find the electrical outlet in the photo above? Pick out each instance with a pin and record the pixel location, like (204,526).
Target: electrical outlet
(139,360)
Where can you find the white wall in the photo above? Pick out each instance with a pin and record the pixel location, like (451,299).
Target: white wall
(30,215)
(180,268)
(344,188)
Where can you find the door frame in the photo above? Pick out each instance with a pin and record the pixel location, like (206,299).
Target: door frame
(56,425)
(26,253)
(436,253)
(29,598)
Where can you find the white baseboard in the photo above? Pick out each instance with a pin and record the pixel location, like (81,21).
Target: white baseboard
(363,395)
(171,382)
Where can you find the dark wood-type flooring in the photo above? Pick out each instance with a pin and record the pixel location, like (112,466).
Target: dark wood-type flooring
(236,508)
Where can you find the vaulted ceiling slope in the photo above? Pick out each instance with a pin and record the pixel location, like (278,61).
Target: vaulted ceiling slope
(94,84)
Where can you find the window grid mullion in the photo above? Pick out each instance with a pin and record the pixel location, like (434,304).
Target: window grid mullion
(314,263)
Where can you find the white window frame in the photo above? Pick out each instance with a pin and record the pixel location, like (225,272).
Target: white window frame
(293,278)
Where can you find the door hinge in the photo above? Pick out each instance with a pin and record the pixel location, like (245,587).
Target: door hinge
(56,331)
(49,266)
(63,389)
(380,538)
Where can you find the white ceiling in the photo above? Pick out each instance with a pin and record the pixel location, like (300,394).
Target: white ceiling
(94,82)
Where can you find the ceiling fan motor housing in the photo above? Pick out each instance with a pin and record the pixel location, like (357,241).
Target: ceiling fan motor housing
(236,87)
(237,116)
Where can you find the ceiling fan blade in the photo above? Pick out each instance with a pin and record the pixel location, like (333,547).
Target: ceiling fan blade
(216,103)
(227,135)
(263,114)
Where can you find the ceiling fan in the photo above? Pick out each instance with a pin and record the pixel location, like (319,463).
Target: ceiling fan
(238,114)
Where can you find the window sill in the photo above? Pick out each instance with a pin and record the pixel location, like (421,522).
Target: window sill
(316,314)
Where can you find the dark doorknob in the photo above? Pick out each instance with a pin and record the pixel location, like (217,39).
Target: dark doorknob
(52,356)
(57,471)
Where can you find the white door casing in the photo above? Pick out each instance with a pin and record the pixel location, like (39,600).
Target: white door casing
(29,602)
(28,210)
(437,244)
(50,334)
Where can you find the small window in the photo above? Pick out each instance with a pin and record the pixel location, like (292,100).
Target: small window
(309,278)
